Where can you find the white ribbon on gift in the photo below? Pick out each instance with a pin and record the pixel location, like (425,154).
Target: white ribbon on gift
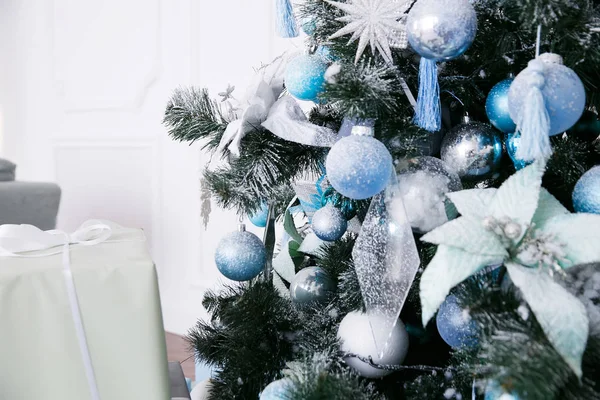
(22,240)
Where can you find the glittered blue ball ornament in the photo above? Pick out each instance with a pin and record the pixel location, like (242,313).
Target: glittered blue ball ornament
(305,77)
(562,90)
(240,256)
(496,107)
(277,390)
(586,195)
(329,223)
(513,140)
(311,285)
(455,325)
(441,29)
(359,166)
(260,217)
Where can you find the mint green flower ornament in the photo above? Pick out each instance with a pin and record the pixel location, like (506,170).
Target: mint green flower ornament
(525,228)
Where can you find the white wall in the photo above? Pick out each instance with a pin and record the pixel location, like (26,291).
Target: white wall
(83,87)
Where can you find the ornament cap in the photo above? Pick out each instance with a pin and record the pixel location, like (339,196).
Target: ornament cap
(466,118)
(551,58)
(242,228)
(361,130)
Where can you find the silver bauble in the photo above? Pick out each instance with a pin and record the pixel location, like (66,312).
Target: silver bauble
(310,286)
(473,150)
(423,183)
(441,29)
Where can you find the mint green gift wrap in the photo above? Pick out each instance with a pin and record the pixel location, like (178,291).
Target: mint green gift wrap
(117,292)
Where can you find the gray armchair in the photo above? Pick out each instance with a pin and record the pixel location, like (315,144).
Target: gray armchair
(27,202)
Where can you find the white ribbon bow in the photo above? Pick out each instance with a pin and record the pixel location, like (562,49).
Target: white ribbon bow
(20,240)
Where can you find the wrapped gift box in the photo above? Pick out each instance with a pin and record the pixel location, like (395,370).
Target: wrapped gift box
(41,351)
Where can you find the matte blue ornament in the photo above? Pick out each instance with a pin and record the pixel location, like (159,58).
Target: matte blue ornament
(546,98)
(260,217)
(586,195)
(277,390)
(240,256)
(285,19)
(496,107)
(312,285)
(441,29)
(359,166)
(305,77)
(494,391)
(329,223)
(455,325)
(513,141)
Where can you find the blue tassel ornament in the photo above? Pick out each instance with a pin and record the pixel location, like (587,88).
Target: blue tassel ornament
(285,19)
(534,124)
(428,113)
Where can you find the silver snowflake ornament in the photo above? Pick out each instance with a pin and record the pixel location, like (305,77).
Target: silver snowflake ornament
(372,22)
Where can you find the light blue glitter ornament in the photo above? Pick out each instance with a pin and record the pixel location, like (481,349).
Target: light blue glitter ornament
(441,29)
(496,107)
(545,99)
(260,217)
(311,285)
(586,195)
(240,256)
(513,141)
(494,391)
(359,166)
(455,325)
(329,223)
(277,390)
(305,77)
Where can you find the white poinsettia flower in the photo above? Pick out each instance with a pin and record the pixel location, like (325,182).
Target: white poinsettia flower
(525,228)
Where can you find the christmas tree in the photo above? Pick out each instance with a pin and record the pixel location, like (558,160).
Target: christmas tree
(440,205)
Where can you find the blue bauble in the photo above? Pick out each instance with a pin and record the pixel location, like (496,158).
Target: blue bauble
(359,167)
(260,217)
(564,94)
(277,390)
(454,324)
(305,77)
(494,391)
(473,150)
(329,223)
(309,25)
(311,285)
(586,195)
(513,140)
(240,256)
(496,107)
(441,29)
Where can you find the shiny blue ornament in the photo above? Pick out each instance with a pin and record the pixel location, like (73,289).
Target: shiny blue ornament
(240,256)
(513,140)
(329,223)
(309,26)
(312,285)
(441,29)
(454,324)
(494,391)
(586,195)
(277,390)
(496,107)
(305,77)
(260,217)
(359,166)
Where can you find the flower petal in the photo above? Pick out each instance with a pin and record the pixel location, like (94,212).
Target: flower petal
(579,234)
(561,315)
(473,202)
(518,196)
(548,208)
(449,267)
(468,234)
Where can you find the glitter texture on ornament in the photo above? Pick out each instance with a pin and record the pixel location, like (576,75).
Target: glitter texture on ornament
(386,261)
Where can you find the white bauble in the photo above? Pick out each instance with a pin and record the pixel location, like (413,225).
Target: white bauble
(356,337)
(202,390)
